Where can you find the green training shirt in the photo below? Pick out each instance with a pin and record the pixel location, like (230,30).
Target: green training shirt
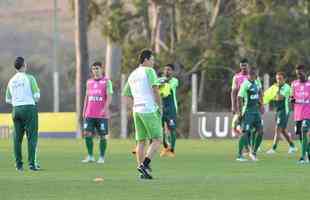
(169,102)
(250,91)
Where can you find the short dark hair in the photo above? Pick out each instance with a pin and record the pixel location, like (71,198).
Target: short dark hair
(300,67)
(145,54)
(170,65)
(244,61)
(19,62)
(97,63)
(280,73)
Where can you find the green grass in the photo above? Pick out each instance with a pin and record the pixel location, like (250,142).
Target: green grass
(201,170)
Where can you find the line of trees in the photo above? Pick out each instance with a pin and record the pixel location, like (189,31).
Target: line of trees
(207,37)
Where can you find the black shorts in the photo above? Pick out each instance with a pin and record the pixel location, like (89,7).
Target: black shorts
(298,127)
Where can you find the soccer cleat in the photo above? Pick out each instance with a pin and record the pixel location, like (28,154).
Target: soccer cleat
(20,168)
(271,151)
(145,171)
(301,161)
(292,150)
(33,168)
(88,159)
(241,159)
(253,157)
(100,160)
(164,152)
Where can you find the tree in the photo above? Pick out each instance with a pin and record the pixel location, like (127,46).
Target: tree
(81,46)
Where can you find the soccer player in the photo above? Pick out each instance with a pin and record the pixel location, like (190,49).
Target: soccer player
(23,93)
(168,89)
(96,111)
(250,107)
(142,88)
(238,79)
(301,101)
(282,101)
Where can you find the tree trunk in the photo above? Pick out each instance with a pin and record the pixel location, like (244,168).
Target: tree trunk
(113,72)
(81,47)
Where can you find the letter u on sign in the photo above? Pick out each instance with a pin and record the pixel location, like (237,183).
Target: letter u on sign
(218,131)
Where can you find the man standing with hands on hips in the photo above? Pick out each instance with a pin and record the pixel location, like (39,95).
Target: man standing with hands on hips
(23,94)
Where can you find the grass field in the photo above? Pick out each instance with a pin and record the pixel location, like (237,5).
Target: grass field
(201,170)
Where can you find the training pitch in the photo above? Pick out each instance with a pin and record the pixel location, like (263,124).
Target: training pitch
(202,169)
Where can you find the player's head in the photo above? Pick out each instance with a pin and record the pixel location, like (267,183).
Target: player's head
(280,77)
(244,65)
(168,70)
(301,72)
(96,69)
(20,64)
(146,58)
(252,73)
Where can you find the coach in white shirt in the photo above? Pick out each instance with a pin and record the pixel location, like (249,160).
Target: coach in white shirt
(23,93)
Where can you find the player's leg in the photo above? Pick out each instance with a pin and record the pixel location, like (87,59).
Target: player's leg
(165,135)
(253,138)
(288,138)
(171,125)
(31,117)
(245,137)
(88,132)
(103,130)
(282,126)
(166,138)
(298,132)
(276,136)
(141,135)
(19,132)
(258,124)
(304,148)
(153,125)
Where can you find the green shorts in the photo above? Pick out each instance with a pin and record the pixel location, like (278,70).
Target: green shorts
(251,121)
(96,125)
(170,121)
(305,126)
(282,119)
(148,125)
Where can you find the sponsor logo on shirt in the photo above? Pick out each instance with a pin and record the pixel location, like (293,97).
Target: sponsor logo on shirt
(95,98)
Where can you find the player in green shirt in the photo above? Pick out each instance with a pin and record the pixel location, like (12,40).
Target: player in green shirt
(250,107)
(23,94)
(167,90)
(282,101)
(142,90)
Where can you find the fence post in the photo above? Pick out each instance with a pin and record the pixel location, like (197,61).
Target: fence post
(194,93)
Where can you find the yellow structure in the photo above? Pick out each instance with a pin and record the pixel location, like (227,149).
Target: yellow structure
(49,122)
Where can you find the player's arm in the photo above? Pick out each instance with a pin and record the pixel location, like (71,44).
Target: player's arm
(175,83)
(8,96)
(292,98)
(34,88)
(234,96)
(261,101)
(127,94)
(157,95)
(109,96)
(85,102)
(154,81)
(240,98)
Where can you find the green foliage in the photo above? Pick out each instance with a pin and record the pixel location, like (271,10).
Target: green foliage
(276,39)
